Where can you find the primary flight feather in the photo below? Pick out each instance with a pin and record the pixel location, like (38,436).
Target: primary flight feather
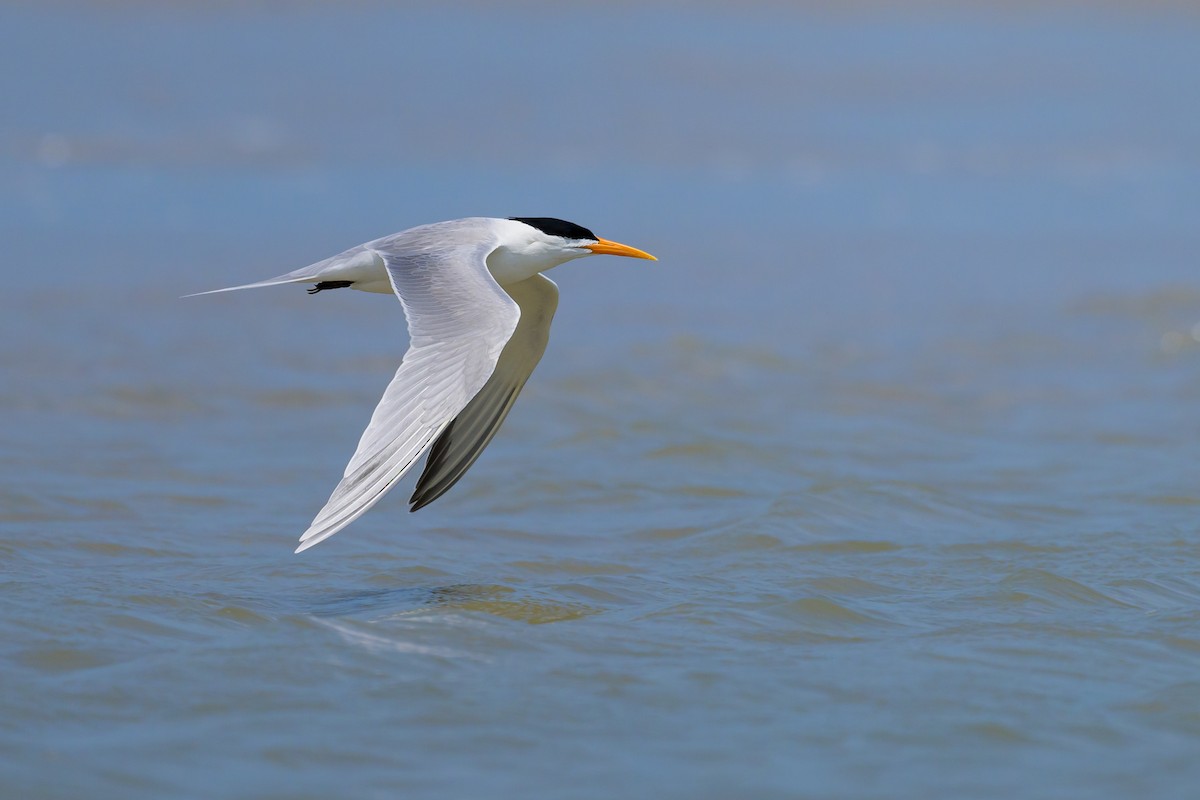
(479,312)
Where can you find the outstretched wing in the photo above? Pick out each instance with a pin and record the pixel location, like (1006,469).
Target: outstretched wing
(459,320)
(464,439)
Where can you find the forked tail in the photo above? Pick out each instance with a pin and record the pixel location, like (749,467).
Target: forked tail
(282,279)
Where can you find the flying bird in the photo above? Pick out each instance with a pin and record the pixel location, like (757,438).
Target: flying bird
(478,310)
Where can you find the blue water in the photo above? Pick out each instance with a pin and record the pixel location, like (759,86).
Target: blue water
(881,482)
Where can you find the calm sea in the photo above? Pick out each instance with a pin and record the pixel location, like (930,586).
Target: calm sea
(882,483)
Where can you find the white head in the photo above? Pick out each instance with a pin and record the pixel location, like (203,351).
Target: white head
(529,245)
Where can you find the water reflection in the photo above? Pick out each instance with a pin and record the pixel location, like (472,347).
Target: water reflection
(506,602)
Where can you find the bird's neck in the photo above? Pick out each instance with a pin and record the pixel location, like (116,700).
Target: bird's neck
(508,266)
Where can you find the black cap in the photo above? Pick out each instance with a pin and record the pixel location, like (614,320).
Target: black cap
(557,227)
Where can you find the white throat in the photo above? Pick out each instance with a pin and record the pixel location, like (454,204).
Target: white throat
(524,252)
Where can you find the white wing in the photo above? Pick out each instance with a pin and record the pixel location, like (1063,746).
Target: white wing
(459,320)
(464,439)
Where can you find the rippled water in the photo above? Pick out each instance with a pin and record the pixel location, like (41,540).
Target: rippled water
(882,482)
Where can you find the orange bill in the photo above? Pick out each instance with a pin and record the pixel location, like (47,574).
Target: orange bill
(605,247)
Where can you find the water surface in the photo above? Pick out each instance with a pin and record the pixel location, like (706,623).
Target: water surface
(881,483)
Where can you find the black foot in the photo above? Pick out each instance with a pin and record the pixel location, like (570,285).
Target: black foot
(329,285)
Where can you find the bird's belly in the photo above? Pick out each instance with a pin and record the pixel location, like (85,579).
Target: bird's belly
(381,286)
(362,267)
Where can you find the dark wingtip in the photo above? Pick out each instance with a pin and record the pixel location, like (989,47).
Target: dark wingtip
(421,497)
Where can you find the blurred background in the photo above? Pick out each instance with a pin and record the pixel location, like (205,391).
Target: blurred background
(881,482)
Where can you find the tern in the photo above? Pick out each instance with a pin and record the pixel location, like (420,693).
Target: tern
(478,310)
